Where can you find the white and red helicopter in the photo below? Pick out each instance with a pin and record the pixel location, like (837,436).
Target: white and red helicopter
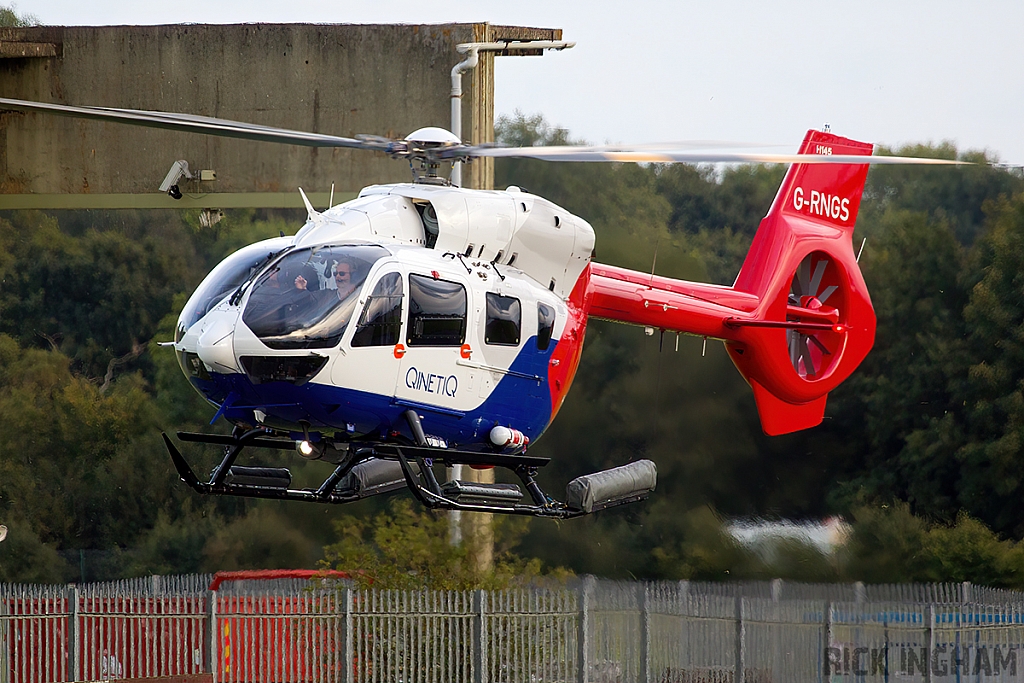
(423,323)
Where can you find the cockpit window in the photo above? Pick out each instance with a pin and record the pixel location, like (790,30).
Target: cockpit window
(225,278)
(306,300)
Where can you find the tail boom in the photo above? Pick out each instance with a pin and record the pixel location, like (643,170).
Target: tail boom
(798,320)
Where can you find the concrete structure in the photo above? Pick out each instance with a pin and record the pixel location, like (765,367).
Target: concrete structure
(345,80)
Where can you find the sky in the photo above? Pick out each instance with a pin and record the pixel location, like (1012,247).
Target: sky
(886,71)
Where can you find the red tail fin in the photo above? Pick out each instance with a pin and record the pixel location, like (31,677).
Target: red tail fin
(798,320)
(802,268)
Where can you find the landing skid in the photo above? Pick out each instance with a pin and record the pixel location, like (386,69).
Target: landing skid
(367,469)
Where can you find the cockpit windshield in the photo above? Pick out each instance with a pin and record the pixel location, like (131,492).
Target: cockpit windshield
(227,277)
(306,300)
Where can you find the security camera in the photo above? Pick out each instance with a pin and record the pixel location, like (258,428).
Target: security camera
(179,170)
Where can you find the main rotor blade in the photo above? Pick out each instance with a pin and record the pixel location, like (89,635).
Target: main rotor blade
(190,123)
(640,155)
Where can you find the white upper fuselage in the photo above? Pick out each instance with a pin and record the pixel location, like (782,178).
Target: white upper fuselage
(510,227)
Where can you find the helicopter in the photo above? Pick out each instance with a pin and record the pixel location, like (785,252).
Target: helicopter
(424,324)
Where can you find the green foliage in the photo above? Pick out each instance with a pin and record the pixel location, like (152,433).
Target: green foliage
(889,544)
(9,17)
(408,548)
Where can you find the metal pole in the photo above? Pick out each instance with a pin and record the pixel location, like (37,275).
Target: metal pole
(931,643)
(583,629)
(741,636)
(346,636)
(479,636)
(74,670)
(828,639)
(645,634)
(212,633)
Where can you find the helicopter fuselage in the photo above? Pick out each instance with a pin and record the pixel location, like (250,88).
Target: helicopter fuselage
(443,318)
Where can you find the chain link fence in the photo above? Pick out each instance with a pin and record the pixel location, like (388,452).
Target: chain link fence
(584,631)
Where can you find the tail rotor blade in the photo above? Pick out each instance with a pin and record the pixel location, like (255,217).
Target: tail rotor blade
(827,293)
(805,354)
(819,272)
(793,340)
(803,274)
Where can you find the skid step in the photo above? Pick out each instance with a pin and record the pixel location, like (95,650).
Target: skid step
(618,485)
(373,476)
(472,493)
(269,477)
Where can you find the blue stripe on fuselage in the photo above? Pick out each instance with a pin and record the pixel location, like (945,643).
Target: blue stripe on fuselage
(515,401)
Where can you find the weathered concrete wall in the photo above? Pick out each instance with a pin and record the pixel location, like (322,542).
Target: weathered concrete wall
(340,79)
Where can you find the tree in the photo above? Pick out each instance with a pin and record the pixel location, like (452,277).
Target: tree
(408,548)
(10,18)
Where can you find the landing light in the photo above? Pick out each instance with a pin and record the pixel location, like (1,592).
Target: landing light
(304,448)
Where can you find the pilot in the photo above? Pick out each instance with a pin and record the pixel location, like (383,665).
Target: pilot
(307,279)
(343,277)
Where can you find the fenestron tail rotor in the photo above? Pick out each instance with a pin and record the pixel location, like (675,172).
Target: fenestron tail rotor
(813,289)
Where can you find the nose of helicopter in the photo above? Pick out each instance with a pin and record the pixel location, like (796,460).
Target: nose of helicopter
(215,347)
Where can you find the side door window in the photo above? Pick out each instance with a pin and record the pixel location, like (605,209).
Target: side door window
(545,326)
(504,320)
(381,321)
(437,312)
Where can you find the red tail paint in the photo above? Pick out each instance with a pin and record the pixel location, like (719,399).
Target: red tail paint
(798,320)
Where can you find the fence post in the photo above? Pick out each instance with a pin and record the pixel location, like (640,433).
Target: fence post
(741,645)
(479,636)
(74,671)
(931,643)
(346,636)
(645,633)
(212,633)
(828,640)
(583,629)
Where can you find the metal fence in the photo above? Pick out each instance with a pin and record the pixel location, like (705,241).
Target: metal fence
(292,631)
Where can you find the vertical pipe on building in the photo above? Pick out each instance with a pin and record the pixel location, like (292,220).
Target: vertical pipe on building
(469,63)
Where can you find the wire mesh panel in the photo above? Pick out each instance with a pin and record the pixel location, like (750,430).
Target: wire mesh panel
(145,628)
(412,636)
(784,640)
(531,636)
(36,628)
(268,636)
(692,636)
